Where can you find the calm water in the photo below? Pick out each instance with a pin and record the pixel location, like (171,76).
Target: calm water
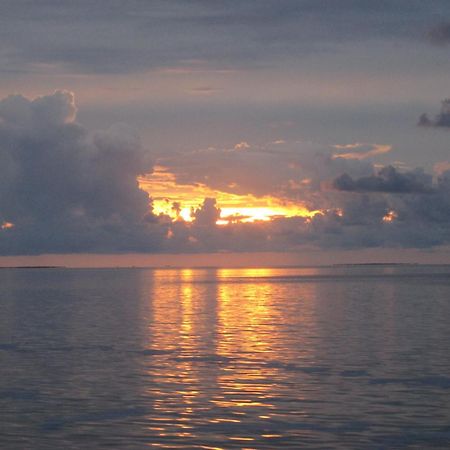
(345,358)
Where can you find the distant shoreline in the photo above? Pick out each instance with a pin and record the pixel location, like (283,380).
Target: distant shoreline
(34,267)
(180,267)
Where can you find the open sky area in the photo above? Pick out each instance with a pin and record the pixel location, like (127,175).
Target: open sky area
(222,132)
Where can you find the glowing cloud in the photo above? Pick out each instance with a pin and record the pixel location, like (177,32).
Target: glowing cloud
(7,225)
(390,216)
(361,150)
(242,146)
(178,201)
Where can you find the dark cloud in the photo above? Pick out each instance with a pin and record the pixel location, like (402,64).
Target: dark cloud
(365,221)
(440,34)
(65,189)
(207,214)
(441,120)
(388,179)
(105,36)
(392,208)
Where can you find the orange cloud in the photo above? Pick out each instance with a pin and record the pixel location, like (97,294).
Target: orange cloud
(7,225)
(242,146)
(361,150)
(441,167)
(177,201)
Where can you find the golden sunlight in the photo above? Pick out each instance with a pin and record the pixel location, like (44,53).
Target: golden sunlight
(7,225)
(390,216)
(179,200)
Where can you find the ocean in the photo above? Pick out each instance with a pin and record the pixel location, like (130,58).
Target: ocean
(344,357)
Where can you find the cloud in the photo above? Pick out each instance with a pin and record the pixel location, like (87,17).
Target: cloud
(441,120)
(361,150)
(207,214)
(242,146)
(294,172)
(242,169)
(388,179)
(57,109)
(65,189)
(440,34)
(134,37)
(441,167)
(367,207)
(203,90)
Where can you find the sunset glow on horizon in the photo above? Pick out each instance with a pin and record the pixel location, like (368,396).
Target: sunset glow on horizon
(204,128)
(179,201)
(224,224)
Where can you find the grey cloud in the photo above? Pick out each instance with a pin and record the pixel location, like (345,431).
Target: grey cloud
(420,222)
(424,121)
(440,34)
(65,189)
(388,179)
(68,190)
(441,120)
(57,109)
(380,215)
(101,36)
(207,214)
(240,171)
(293,172)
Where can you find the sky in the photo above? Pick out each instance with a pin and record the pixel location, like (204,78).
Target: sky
(290,128)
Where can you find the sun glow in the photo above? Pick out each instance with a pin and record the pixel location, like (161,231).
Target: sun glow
(178,201)
(390,216)
(247,214)
(7,225)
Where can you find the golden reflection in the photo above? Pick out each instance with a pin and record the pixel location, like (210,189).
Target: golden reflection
(269,273)
(217,340)
(186,277)
(176,383)
(247,323)
(259,272)
(211,448)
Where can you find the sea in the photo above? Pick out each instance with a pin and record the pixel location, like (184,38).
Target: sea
(341,357)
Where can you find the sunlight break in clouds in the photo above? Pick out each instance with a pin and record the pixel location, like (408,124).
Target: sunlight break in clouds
(64,189)
(178,201)
(7,226)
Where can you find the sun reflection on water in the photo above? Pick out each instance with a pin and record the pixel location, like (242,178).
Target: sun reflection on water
(213,359)
(215,353)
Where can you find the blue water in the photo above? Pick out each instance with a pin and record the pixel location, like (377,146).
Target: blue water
(343,358)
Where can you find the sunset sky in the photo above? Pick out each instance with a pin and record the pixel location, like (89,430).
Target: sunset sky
(312,131)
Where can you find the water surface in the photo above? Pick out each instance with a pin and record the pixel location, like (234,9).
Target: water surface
(339,357)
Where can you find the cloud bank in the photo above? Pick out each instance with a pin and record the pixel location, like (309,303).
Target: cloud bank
(440,120)
(440,34)
(388,180)
(66,190)
(135,36)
